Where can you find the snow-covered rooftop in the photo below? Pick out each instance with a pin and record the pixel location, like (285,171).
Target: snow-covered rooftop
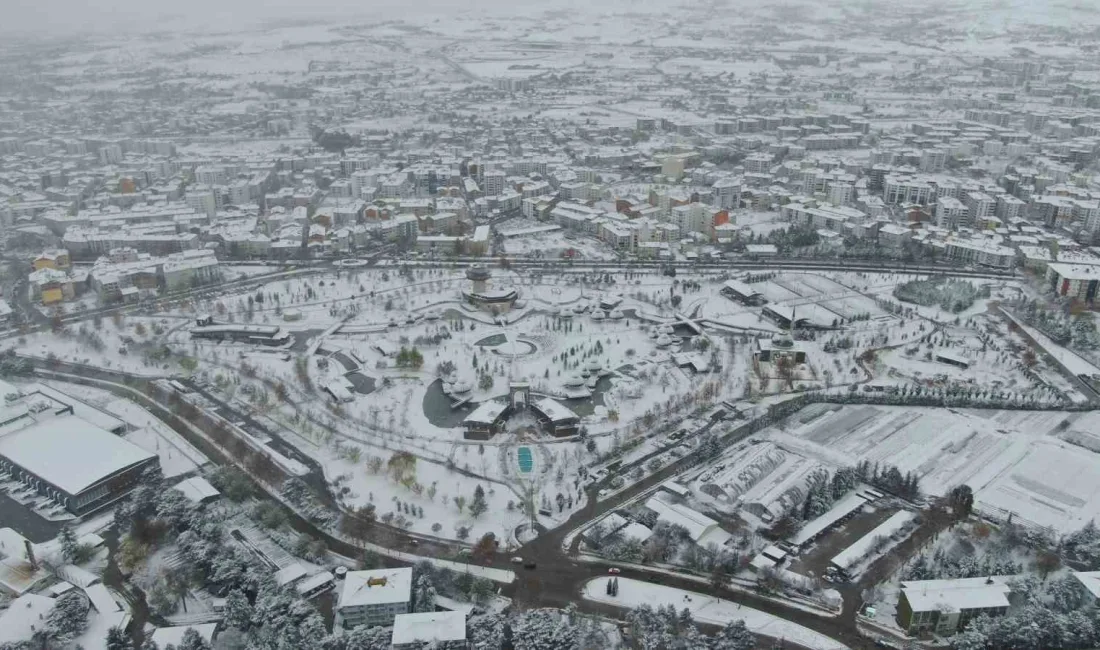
(25,615)
(698,525)
(70,453)
(1090,580)
(862,547)
(376,587)
(486,413)
(554,410)
(957,594)
(197,489)
(289,574)
(845,506)
(429,627)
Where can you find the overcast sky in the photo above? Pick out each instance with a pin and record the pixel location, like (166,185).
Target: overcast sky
(74,16)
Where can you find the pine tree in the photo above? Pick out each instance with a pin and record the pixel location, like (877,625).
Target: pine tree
(425,594)
(118,640)
(69,546)
(193,641)
(478,506)
(735,636)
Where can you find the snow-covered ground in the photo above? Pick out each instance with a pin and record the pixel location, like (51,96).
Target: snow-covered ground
(1038,465)
(706,609)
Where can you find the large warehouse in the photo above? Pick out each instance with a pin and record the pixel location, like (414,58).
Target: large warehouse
(63,456)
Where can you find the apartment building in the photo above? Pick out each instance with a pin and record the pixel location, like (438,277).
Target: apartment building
(373,598)
(1080,281)
(979,206)
(944,607)
(951,213)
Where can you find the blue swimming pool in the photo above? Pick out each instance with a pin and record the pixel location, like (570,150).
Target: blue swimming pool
(526,459)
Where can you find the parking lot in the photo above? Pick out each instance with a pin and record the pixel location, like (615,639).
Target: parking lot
(816,560)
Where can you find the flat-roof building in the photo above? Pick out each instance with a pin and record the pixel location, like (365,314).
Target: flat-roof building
(59,449)
(944,607)
(436,629)
(373,597)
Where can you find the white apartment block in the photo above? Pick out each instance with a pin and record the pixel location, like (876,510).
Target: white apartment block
(575,216)
(493,182)
(210,175)
(693,217)
(983,253)
(759,162)
(979,206)
(727,193)
(373,598)
(951,213)
(1008,207)
(839,192)
(202,201)
(906,189)
(822,217)
(894,236)
(933,160)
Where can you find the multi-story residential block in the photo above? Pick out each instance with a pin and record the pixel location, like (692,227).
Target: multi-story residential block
(944,607)
(979,206)
(727,193)
(1080,281)
(951,213)
(373,598)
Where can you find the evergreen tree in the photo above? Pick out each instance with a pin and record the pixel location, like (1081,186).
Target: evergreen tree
(68,618)
(117,639)
(192,640)
(70,549)
(478,506)
(424,598)
(735,636)
(238,612)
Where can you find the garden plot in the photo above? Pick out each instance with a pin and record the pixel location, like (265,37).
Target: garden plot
(775,292)
(763,478)
(822,284)
(1054,484)
(1014,460)
(854,305)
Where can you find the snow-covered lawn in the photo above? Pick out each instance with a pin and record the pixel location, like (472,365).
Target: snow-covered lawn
(706,609)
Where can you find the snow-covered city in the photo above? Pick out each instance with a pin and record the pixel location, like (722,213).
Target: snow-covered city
(550,326)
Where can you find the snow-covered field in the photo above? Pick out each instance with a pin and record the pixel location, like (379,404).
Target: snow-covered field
(706,609)
(1038,465)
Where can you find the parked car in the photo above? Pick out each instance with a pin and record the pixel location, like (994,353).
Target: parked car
(614,571)
(529,565)
(517,560)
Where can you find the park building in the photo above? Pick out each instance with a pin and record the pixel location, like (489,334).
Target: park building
(741,292)
(272,335)
(489,418)
(483,296)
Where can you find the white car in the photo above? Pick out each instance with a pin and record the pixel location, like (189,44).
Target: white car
(517,560)
(614,571)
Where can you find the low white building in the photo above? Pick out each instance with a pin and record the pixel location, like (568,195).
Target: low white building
(702,529)
(436,629)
